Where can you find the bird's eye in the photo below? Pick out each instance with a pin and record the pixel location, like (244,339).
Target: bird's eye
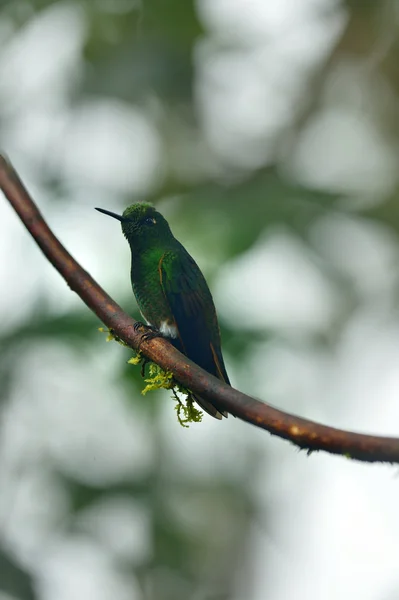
(150,221)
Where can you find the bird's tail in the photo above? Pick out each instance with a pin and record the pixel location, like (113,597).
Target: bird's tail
(210,408)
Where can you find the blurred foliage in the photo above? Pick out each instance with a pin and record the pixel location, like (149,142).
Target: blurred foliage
(143,53)
(14,580)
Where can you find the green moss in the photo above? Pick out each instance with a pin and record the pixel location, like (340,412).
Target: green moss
(137,359)
(186,410)
(111,337)
(158,379)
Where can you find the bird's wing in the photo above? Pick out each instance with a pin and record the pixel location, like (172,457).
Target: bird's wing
(191,304)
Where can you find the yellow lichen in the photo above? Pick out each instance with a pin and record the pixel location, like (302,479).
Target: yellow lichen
(112,337)
(136,360)
(158,379)
(186,411)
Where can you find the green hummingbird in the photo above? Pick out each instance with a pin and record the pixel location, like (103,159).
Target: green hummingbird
(171,292)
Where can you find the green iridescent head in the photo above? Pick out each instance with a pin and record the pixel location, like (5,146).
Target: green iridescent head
(142,224)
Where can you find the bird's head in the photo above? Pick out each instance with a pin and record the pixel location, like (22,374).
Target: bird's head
(142,225)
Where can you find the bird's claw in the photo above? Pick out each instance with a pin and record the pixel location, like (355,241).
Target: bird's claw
(149,334)
(138,325)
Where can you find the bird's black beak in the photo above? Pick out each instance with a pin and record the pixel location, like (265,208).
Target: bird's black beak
(111,214)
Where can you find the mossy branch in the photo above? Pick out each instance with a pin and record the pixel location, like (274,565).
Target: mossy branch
(305,434)
(186,411)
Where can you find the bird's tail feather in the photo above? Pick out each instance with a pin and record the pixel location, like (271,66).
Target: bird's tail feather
(210,408)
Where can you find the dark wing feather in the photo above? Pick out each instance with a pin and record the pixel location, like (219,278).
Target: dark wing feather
(191,304)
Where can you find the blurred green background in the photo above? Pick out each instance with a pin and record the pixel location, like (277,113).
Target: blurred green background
(267,133)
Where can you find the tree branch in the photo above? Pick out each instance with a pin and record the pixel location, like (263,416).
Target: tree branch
(305,434)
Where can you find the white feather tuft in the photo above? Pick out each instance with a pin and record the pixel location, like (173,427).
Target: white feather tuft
(168,329)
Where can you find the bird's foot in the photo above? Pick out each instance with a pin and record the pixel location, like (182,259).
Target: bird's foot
(150,332)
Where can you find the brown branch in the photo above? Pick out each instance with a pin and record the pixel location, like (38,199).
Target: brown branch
(305,434)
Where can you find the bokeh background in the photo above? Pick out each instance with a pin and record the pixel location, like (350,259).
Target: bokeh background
(267,132)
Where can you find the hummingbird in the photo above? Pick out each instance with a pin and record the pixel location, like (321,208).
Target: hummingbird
(171,292)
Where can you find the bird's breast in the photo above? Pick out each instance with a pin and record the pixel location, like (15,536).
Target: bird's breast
(151,299)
